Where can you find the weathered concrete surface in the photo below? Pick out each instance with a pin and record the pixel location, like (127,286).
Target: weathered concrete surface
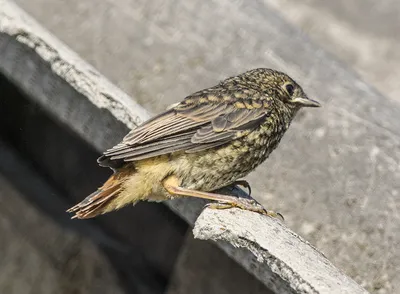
(202,268)
(362,33)
(335,177)
(37,256)
(279,249)
(57,80)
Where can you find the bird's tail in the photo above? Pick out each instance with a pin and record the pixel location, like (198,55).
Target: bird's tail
(100,201)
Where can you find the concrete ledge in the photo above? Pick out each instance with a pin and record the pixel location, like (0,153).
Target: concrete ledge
(274,250)
(279,258)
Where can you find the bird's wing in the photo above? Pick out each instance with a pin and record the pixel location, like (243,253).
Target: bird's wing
(195,124)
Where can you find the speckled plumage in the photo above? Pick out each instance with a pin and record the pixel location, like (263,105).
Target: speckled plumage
(207,141)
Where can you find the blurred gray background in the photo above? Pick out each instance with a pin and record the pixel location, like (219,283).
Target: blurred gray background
(344,199)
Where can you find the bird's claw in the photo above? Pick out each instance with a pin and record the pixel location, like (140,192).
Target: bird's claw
(245,184)
(245,204)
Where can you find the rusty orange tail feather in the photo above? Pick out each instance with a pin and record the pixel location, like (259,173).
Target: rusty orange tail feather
(97,202)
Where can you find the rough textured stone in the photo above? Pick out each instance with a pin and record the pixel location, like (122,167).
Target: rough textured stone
(284,253)
(204,268)
(38,256)
(336,175)
(163,52)
(362,33)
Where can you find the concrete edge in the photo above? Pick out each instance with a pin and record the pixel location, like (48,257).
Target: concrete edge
(278,257)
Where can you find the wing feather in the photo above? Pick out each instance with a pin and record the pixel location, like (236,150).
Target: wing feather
(192,126)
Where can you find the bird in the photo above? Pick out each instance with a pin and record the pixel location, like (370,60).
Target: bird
(209,140)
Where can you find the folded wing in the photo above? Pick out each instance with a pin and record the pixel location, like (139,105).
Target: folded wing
(193,125)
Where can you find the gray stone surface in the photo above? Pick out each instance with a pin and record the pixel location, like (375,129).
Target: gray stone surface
(285,253)
(336,176)
(36,62)
(37,256)
(362,33)
(204,268)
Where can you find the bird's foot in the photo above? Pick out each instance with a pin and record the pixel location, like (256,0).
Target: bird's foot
(245,184)
(224,201)
(245,204)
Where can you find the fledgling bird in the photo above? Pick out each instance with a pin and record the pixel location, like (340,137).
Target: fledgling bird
(207,141)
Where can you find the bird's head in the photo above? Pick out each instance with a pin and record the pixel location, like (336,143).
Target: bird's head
(279,85)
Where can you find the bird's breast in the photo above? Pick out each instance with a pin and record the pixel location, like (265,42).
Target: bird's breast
(219,167)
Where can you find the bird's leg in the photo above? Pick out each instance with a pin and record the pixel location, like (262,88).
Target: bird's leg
(245,184)
(224,201)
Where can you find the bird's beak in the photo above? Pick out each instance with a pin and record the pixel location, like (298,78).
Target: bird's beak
(305,102)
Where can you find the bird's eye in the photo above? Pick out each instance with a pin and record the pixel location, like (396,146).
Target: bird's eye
(289,89)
